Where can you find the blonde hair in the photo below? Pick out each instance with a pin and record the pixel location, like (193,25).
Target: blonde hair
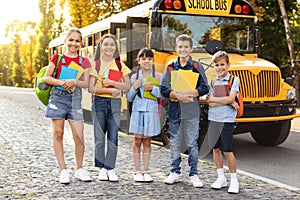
(220,55)
(72,30)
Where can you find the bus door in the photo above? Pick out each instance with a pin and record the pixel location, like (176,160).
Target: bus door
(137,32)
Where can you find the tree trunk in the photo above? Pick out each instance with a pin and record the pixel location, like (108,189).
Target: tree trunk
(291,48)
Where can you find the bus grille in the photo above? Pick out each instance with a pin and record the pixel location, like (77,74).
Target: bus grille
(265,84)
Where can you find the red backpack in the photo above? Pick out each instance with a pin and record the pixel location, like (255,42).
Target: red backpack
(238,99)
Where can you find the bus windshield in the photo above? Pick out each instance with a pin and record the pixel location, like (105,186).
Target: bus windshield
(236,34)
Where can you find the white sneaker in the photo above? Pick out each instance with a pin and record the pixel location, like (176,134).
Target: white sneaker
(103,175)
(147,177)
(196,181)
(138,177)
(233,187)
(219,183)
(112,175)
(82,175)
(172,178)
(64,176)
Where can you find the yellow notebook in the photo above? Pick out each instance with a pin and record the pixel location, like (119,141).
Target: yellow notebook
(75,66)
(154,82)
(186,81)
(174,75)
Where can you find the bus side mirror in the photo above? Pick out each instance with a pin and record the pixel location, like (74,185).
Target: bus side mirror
(156,19)
(214,46)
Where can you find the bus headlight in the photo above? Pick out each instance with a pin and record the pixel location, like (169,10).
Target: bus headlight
(291,94)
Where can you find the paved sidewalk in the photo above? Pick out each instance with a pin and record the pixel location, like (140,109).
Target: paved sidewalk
(28,168)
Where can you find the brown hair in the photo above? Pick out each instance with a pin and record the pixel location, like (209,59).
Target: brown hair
(98,52)
(220,55)
(185,37)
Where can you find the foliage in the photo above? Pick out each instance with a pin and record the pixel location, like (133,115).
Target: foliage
(124,5)
(272,29)
(5,62)
(44,35)
(84,13)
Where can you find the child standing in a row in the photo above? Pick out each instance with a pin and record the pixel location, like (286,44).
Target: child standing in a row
(184,112)
(106,108)
(144,121)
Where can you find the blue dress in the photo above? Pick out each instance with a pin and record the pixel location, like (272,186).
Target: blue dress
(144,118)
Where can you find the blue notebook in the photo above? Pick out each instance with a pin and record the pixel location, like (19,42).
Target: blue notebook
(66,73)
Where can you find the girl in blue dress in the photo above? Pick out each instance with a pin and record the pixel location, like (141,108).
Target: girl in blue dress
(144,121)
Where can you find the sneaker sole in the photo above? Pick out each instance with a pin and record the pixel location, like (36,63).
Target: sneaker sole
(168,183)
(84,180)
(102,179)
(65,183)
(222,186)
(148,181)
(233,192)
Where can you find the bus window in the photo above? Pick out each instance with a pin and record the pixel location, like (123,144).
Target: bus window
(235,34)
(139,35)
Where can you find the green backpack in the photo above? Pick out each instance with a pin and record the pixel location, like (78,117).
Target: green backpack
(42,89)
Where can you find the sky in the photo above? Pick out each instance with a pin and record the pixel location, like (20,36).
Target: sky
(24,10)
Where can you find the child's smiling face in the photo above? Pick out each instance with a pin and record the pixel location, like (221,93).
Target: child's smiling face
(146,62)
(108,47)
(221,67)
(73,42)
(183,48)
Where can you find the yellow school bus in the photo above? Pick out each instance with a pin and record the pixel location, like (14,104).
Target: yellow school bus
(269,101)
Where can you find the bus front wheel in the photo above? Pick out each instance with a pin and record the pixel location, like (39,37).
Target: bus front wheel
(271,133)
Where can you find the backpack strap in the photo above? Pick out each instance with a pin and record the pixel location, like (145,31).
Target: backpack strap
(98,64)
(196,65)
(56,66)
(119,64)
(171,66)
(230,82)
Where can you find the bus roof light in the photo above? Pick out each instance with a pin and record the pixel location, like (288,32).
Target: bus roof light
(168,4)
(238,9)
(246,9)
(177,4)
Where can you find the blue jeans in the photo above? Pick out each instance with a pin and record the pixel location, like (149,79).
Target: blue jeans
(106,118)
(189,129)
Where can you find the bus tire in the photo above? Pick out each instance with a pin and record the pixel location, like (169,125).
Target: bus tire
(271,133)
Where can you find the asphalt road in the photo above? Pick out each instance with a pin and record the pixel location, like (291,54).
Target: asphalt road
(279,163)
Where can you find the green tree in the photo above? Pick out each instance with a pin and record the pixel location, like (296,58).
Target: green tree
(124,5)
(272,29)
(15,29)
(5,63)
(44,34)
(84,13)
